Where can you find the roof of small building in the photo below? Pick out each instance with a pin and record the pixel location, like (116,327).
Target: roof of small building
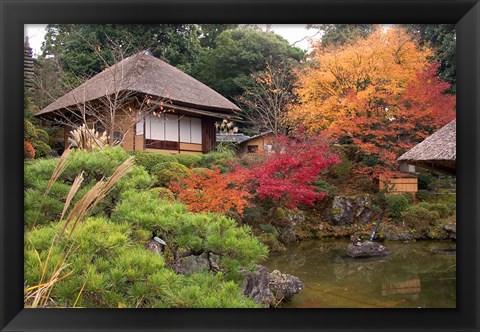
(234,138)
(437,151)
(145,74)
(258,135)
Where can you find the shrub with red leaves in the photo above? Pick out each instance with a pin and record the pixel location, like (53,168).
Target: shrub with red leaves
(28,150)
(286,177)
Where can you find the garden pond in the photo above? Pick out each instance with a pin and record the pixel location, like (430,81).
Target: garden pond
(416,275)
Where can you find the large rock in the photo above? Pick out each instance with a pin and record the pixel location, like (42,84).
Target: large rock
(400,236)
(256,286)
(193,264)
(451,230)
(288,236)
(367,249)
(196,263)
(364,212)
(348,210)
(342,211)
(295,217)
(155,247)
(284,286)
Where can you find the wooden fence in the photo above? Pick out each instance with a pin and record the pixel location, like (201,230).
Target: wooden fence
(399,185)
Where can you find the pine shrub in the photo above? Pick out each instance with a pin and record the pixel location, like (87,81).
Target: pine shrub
(186,231)
(169,171)
(420,219)
(110,270)
(425,180)
(423,195)
(343,170)
(442,209)
(396,204)
(95,165)
(324,186)
(42,135)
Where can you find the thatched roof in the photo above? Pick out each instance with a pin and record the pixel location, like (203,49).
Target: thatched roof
(438,152)
(148,75)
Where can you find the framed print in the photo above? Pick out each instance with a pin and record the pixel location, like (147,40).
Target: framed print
(240,165)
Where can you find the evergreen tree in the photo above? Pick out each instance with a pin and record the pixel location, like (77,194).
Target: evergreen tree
(442,39)
(341,34)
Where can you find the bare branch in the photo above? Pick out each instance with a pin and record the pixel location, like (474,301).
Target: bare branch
(267,100)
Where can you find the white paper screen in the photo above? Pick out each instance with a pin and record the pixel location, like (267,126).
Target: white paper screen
(156,130)
(185,136)
(196,130)
(171,127)
(139,127)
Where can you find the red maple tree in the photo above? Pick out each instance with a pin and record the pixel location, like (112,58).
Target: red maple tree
(381,94)
(286,177)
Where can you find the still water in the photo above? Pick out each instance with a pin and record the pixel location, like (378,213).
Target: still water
(419,274)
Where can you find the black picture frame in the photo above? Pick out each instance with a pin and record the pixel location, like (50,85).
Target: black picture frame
(14,14)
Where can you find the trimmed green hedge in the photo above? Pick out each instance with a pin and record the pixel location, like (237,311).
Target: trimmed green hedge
(189,160)
(151,159)
(168,172)
(163,194)
(210,160)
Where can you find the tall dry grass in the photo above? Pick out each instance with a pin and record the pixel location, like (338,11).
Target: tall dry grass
(38,296)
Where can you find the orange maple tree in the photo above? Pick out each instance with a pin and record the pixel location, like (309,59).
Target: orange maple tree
(381,93)
(28,150)
(211,191)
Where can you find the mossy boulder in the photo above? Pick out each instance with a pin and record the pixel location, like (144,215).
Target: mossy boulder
(367,249)
(349,210)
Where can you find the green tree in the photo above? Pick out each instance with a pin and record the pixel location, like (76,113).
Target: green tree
(210,33)
(237,54)
(79,45)
(341,34)
(50,82)
(442,39)
(35,138)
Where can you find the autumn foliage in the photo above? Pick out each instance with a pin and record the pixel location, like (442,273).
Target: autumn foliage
(286,176)
(381,93)
(211,191)
(28,150)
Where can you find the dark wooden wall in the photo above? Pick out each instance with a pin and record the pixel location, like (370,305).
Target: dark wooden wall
(209,137)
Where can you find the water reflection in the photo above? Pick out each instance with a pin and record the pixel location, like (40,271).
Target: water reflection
(419,274)
(411,286)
